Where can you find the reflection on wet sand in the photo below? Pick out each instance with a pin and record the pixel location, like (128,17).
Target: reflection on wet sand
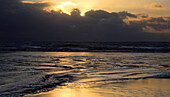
(76,74)
(138,88)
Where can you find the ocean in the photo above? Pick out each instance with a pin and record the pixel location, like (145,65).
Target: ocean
(75,69)
(51,46)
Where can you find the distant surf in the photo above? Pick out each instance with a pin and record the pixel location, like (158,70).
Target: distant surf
(162,47)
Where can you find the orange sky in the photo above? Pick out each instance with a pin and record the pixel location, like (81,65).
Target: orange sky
(151,7)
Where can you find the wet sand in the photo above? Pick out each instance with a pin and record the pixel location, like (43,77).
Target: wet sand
(81,74)
(133,88)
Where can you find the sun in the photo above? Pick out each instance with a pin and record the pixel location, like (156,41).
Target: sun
(66,7)
(65,4)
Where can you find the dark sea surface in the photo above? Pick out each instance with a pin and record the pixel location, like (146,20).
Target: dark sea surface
(33,68)
(87,46)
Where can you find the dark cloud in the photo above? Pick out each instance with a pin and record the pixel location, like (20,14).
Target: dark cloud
(142,15)
(28,21)
(154,25)
(156,6)
(126,14)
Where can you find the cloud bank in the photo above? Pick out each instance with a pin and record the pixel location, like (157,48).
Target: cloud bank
(28,21)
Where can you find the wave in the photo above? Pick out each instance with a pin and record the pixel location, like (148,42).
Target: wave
(87,46)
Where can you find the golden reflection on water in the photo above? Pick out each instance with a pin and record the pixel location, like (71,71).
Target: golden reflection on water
(68,92)
(139,88)
(68,53)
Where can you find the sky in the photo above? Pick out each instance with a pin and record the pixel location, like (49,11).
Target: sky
(85,20)
(152,7)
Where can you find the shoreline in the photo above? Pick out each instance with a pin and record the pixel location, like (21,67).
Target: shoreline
(150,87)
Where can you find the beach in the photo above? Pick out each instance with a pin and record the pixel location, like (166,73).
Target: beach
(137,88)
(80,74)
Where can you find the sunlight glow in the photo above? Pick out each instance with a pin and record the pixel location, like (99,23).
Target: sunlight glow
(65,4)
(30,2)
(83,13)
